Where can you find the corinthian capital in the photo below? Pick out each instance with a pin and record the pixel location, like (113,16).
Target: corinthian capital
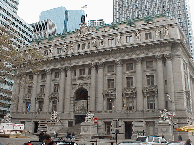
(100,64)
(138,59)
(168,56)
(69,68)
(92,64)
(159,56)
(119,62)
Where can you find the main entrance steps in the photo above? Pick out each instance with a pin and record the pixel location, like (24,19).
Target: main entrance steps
(76,129)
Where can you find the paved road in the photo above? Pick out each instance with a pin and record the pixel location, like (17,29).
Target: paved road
(16,141)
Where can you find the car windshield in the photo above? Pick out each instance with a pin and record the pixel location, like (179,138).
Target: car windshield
(174,143)
(129,143)
(150,138)
(142,139)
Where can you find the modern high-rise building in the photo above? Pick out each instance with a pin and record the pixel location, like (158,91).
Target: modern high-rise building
(178,9)
(22,32)
(98,22)
(65,20)
(44,28)
(22,35)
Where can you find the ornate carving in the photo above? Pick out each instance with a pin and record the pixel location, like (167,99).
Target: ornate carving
(168,56)
(166,31)
(40,97)
(92,64)
(118,39)
(137,35)
(69,68)
(94,43)
(150,90)
(110,91)
(80,85)
(138,59)
(159,56)
(130,91)
(119,62)
(54,96)
(158,32)
(100,65)
(48,71)
(27,98)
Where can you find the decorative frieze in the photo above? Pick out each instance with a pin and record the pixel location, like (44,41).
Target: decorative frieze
(150,90)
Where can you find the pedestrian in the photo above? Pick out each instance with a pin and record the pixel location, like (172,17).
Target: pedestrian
(70,135)
(67,136)
(47,140)
(73,135)
(180,138)
(188,142)
(163,136)
(55,134)
(41,136)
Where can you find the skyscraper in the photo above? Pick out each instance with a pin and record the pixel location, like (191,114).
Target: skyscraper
(22,35)
(179,9)
(13,23)
(65,20)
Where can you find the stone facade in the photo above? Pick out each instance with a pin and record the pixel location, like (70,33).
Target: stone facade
(125,76)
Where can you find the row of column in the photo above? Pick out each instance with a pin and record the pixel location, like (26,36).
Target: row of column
(139,84)
(66,87)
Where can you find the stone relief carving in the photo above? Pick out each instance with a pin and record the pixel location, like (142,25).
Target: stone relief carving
(166,31)
(150,90)
(94,43)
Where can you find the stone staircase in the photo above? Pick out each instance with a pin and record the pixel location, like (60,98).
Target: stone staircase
(76,129)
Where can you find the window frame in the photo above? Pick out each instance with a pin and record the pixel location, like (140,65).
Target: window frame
(150,80)
(110,83)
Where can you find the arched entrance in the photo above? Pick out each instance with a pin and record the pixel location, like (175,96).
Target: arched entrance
(81,105)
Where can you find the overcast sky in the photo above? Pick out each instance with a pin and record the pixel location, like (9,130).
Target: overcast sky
(29,10)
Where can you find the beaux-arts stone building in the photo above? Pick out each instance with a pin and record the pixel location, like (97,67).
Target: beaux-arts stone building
(125,76)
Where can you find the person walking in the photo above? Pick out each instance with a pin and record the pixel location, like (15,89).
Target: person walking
(180,138)
(41,136)
(188,142)
(73,135)
(47,140)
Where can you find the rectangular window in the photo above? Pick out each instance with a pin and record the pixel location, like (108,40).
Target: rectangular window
(128,39)
(43,76)
(89,45)
(151,102)
(54,105)
(111,41)
(149,64)
(110,83)
(56,74)
(40,104)
(30,77)
(129,82)
(109,104)
(89,71)
(107,128)
(110,68)
(129,103)
(29,89)
(148,36)
(78,46)
(82,72)
(42,89)
(83,46)
(59,50)
(74,72)
(56,87)
(129,66)
(150,80)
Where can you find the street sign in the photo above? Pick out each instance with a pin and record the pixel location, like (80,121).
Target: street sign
(95,120)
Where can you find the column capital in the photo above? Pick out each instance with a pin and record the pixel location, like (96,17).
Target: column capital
(100,64)
(159,56)
(168,56)
(119,62)
(69,68)
(48,71)
(62,69)
(92,64)
(138,59)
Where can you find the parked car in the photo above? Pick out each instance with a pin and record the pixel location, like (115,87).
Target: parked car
(132,142)
(152,140)
(176,143)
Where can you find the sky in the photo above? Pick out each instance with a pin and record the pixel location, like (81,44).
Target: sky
(29,10)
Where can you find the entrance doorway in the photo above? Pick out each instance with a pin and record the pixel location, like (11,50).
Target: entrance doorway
(35,126)
(81,105)
(128,130)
